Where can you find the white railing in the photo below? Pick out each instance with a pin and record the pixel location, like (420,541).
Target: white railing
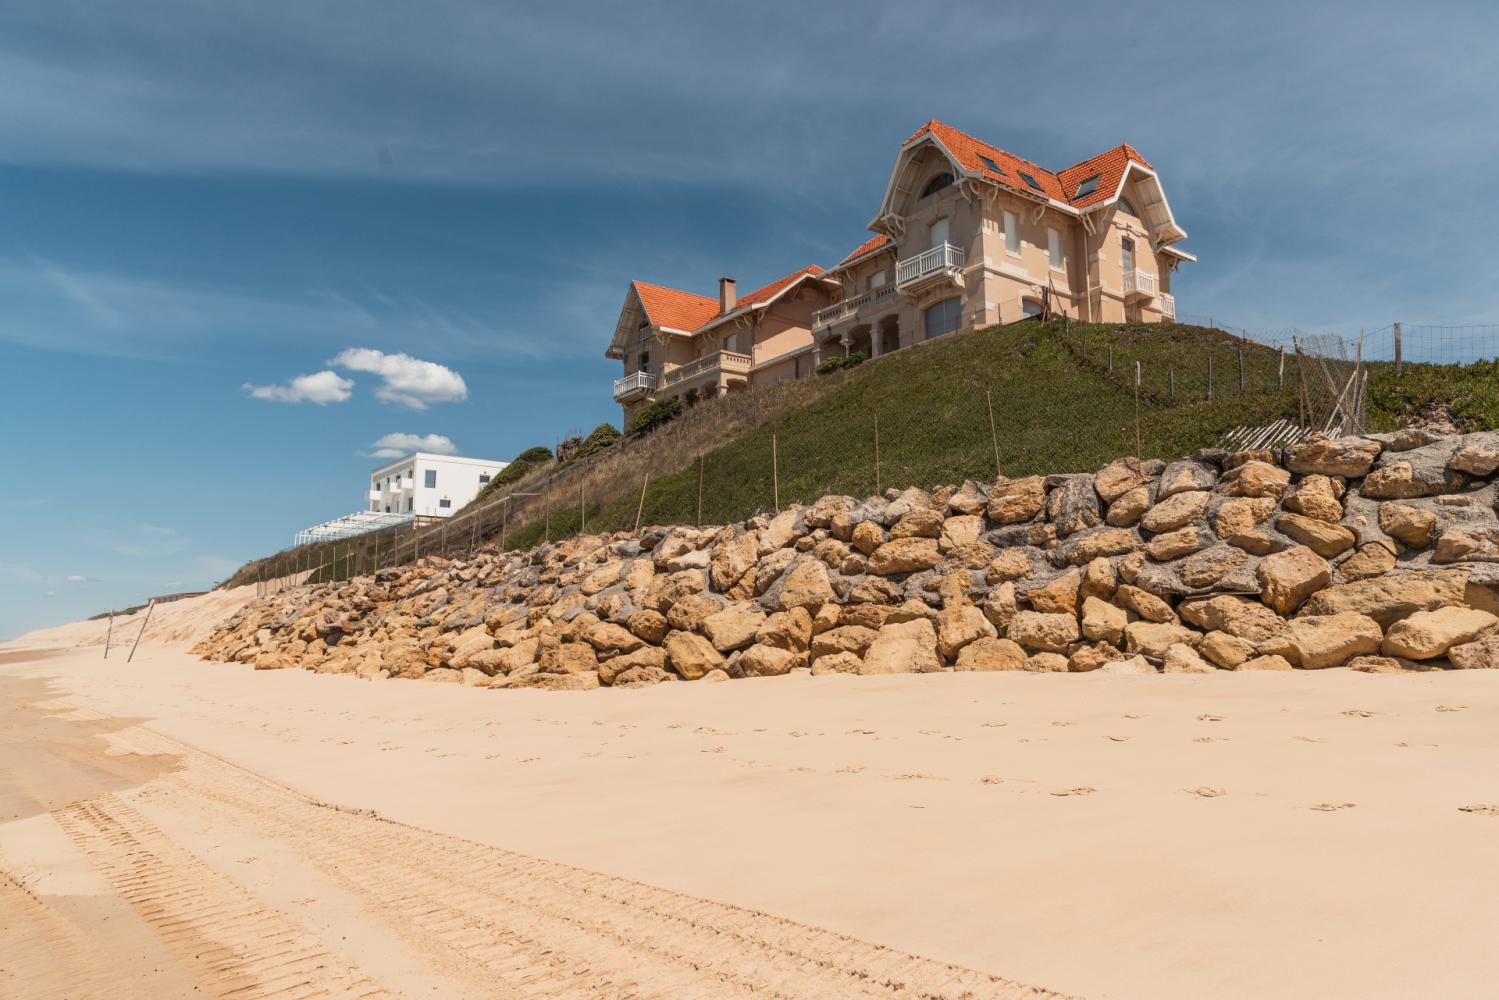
(934,261)
(1139,283)
(727,361)
(1167,305)
(848,307)
(375,495)
(633,383)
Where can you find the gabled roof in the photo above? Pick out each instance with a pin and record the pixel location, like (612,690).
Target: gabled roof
(674,308)
(1108,167)
(764,296)
(867,247)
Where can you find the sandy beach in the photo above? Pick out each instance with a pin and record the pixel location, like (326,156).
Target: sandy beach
(1293,835)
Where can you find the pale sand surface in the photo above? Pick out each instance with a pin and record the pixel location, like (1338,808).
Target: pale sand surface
(923,812)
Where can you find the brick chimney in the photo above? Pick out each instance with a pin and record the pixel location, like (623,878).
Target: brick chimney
(727,296)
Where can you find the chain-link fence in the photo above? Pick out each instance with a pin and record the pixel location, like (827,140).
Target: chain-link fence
(1020,400)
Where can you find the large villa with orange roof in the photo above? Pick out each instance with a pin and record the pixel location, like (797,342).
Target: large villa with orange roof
(966,236)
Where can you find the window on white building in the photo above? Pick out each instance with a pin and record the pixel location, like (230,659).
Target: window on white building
(942,318)
(1012,233)
(444,502)
(483,478)
(431,479)
(1054,244)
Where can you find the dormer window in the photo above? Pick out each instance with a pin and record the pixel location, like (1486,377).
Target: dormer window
(1087,187)
(937,184)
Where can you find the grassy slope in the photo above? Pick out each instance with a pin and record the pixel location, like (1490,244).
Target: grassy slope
(1057,408)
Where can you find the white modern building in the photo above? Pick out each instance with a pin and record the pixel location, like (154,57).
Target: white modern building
(427,485)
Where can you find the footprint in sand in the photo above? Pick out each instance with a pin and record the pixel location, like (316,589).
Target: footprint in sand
(1359,713)
(1482,810)
(1082,790)
(1118,739)
(1211,739)
(1328,807)
(858,732)
(1451,708)
(1311,739)
(713,750)
(851,769)
(1205,792)
(992,779)
(1061,723)
(1134,716)
(993,725)
(1209,718)
(918,776)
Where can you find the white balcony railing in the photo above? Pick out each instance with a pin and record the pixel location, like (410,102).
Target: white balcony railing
(1138,283)
(723,361)
(1167,305)
(938,260)
(406,484)
(851,307)
(634,384)
(375,495)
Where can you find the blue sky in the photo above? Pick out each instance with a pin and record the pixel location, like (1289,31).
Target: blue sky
(200,198)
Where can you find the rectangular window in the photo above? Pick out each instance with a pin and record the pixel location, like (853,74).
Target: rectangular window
(483,478)
(1054,241)
(645,362)
(1012,233)
(940,232)
(430,480)
(1127,255)
(444,502)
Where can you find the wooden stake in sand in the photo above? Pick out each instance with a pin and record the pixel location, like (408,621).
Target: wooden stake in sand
(144,621)
(110,634)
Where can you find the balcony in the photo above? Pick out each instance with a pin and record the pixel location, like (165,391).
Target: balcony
(375,495)
(634,386)
(1167,305)
(1139,285)
(839,311)
(935,265)
(724,362)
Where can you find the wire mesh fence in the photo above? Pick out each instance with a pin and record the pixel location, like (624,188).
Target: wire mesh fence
(941,413)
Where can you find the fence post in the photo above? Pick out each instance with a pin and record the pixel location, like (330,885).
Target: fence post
(993,434)
(1398,355)
(877,490)
(110,634)
(504,519)
(1300,387)
(699,521)
(144,622)
(1210,377)
(1111,356)
(775,470)
(1241,370)
(1280,372)
(1171,384)
(1137,411)
(640,510)
(582,512)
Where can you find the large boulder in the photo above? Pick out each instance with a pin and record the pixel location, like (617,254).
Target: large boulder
(1393,596)
(1288,578)
(1180,658)
(1316,497)
(904,555)
(1073,505)
(733,558)
(768,661)
(991,654)
(1175,511)
(1317,641)
(1152,639)
(1233,615)
(1103,621)
(805,585)
(733,627)
(1410,526)
(609,638)
(1480,654)
(1428,634)
(691,655)
(1044,632)
(1012,501)
(1123,475)
(1186,475)
(959,625)
(1256,479)
(903,648)
(790,630)
(1351,457)
(854,639)
(1322,537)
(1058,595)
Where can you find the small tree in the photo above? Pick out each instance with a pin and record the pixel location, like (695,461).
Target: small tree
(602,437)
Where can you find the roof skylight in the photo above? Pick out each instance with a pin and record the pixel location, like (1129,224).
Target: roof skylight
(1031,181)
(995,167)
(1088,186)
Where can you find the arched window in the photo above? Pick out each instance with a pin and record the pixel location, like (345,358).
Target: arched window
(936,184)
(1126,207)
(942,318)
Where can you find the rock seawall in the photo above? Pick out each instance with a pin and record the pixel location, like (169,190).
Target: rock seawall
(1377,552)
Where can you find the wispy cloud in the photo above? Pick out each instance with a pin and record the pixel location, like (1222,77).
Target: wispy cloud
(409,382)
(80,578)
(322,388)
(82,294)
(396,445)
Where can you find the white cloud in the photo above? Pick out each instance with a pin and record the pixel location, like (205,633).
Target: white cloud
(322,387)
(79,578)
(396,445)
(409,381)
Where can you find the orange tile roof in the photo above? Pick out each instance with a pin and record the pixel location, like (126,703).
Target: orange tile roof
(967,150)
(674,308)
(867,246)
(771,289)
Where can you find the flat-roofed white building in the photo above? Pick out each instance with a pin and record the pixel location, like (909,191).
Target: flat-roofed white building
(427,485)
